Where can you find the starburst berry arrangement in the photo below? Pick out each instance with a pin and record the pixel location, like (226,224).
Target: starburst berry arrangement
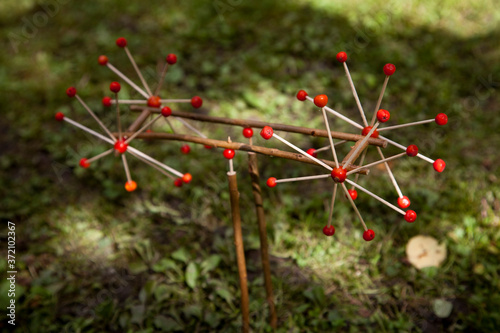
(120,142)
(345,168)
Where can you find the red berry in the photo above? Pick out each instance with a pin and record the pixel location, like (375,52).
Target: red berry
(247,132)
(441,119)
(149,130)
(383,115)
(121,42)
(301,95)
(329,230)
(404,202)
(84,164)
(321,100)
(185,149)
(196,102)
(312,152)
(339,175)
(102,60)
(71,92)
(130,186)
(178,182)
(368,235)
(389,69)
(106,101)
(121,146)
(59,116)
(367,130)
(412,150)
(353,193)
(208,147)
(342,57)
(187,178)
(410,216)
(439,165)
(115,87)
(154,101)
(271,182)
(171,59)
(267,132)
(166,111)
(229,154)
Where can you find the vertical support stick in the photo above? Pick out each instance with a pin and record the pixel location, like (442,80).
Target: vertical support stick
(264,249)
(240,254)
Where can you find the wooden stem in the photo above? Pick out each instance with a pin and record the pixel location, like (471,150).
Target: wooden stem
(261,124)
(239,146)
(240,252)
(355,150)
(264,250)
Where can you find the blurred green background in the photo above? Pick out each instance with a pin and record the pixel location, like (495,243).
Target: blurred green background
(93,258)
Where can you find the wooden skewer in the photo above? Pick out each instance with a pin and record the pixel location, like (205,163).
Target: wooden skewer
(360,108)
(95,158)
(175,100)
(376,197)
(407,125)
(126,79)
(131,101)
(337,114)
(162,78)
(391,175)
(154,166)
(261,124)
(151,122)
(334,194)
(361,160)
(329,168)
(330,138)
(152,160)
(170,124)
(144,83)
(353,204)
(379,101)
(425,158)
(328,147)
(95,117)
(231,168)
(88,130)
(297,179)
(355,152)
(238,146)
(118,117)
(379,162)
(191,127)
(125,165)
(361,145)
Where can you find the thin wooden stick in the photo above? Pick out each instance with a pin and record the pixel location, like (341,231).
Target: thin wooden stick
(337,114)
(140,119)
(126,79)
(127,170)
(355,151)
(353,204)
(291,145)
(162,78)
(328,147)
(240,252)
(175,101)
(152,160)
(407,125)
(131,101)
(170,124)
(330,137)
(261,124)
(151,122)
(360,108)
(334,194)
(361,160)
(85,106)
(385,160)
(118,117)
(101,155)
(88,130)
(400,146)
(379,101)
(154,166)
(253,170)
(298,179)
(144,83)
(239,146)
(391,175)
(361,145)
(191,127)
(376,197)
